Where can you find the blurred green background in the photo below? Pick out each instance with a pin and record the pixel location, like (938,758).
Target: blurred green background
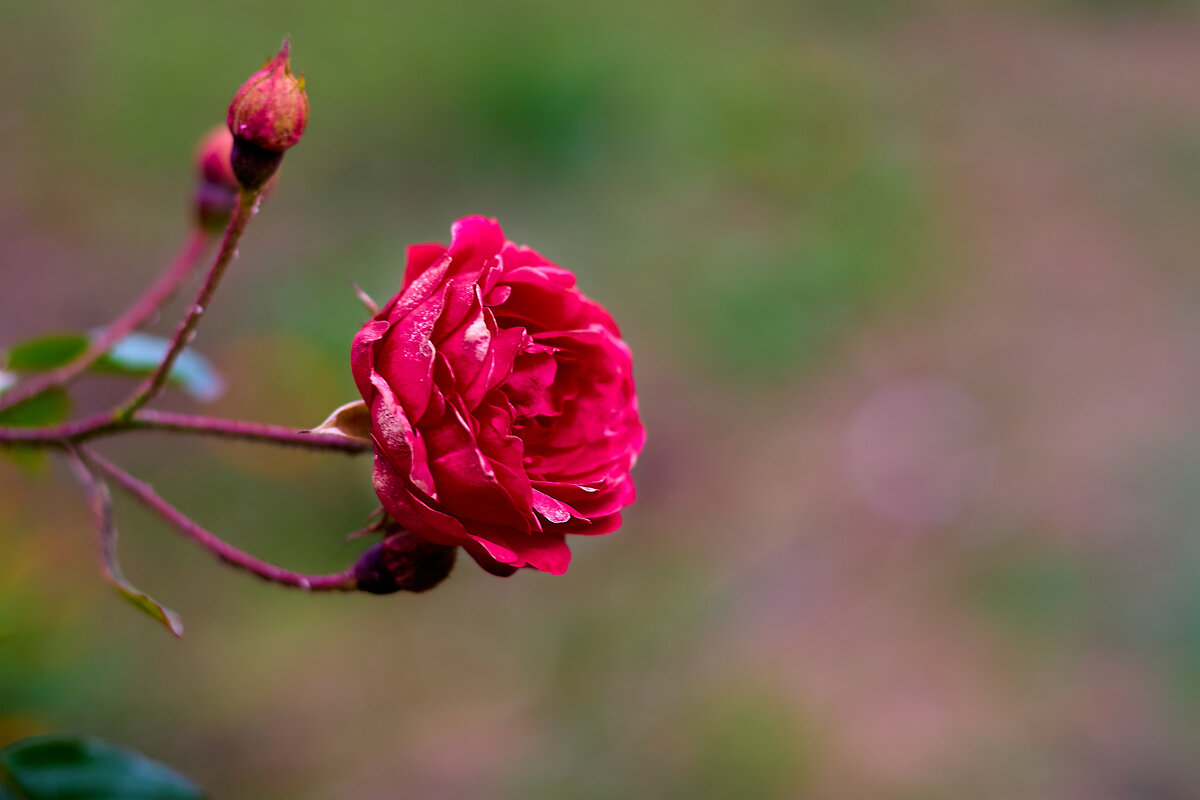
(912,293)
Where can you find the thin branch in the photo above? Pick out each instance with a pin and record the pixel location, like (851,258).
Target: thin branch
(246,431)
(154,298)
(145,494)
(247,201)
(63,435)
(101,425)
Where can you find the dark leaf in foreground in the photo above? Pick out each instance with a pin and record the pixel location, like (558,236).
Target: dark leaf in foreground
(84,768)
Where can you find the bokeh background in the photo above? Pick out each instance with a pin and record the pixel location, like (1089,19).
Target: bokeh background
(912,292)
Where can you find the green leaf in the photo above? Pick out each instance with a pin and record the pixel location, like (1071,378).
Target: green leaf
(44,408)
(140,354)
(46,352)
(84,768)
(106,527)
(148,605)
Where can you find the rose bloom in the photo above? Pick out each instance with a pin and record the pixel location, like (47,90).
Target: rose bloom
(502,403)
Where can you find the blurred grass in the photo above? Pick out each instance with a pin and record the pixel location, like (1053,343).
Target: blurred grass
(1040,597)
(642,121)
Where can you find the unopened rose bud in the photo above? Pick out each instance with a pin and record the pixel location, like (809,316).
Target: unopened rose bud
(217,186)
(403,562)
(267,116)
(213,160)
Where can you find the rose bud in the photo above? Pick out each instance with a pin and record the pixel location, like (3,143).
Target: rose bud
(501,403)
(267,116)
(403,562)
(217,187)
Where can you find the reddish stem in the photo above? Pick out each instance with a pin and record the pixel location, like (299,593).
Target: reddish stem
(64,434)
(100,425)
(133,318)
(247,431)
(247,200)
(143,493)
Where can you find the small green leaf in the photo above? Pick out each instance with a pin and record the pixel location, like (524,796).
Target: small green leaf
(45,408)
(148,605)
(46,352)
(140,354)
(84,768)
(101,503)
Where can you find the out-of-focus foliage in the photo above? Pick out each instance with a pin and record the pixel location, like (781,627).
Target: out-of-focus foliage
(71,767)
(136,354)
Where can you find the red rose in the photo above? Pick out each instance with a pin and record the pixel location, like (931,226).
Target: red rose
(502,403)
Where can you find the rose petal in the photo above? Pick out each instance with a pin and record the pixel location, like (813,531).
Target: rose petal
(420,257)
(553,510)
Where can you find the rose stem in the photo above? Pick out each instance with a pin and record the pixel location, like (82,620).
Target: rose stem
(247,200)
(143,493)
(247,431)
(101,425)
(133,318)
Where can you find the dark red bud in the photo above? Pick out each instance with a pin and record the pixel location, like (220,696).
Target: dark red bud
(403,562)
